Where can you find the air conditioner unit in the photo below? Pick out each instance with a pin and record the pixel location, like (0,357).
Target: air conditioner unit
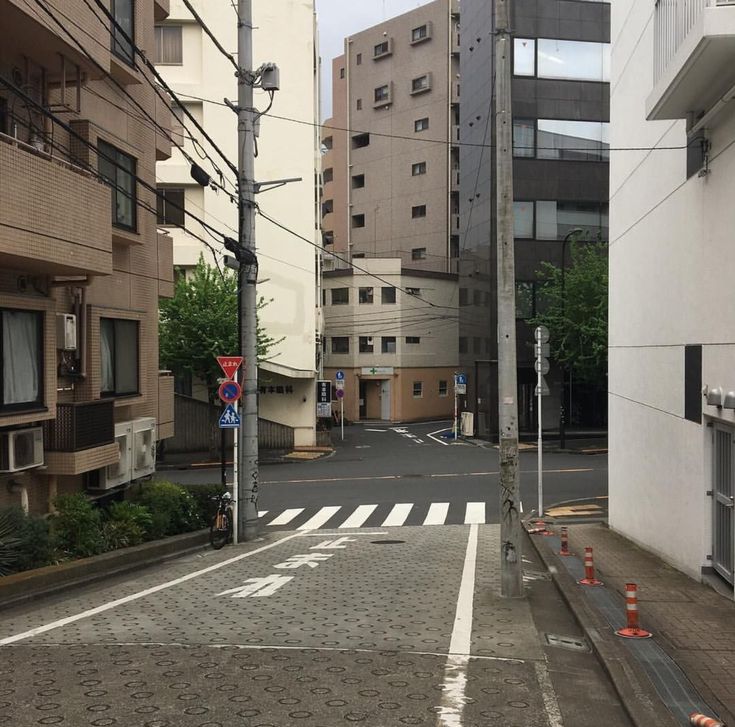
(370,340)
(121,472)
(66,332)
(21,449)
(144,447)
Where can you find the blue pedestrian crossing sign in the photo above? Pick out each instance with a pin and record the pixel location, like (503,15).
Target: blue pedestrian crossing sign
(229,418)
(339,376)
(461,379)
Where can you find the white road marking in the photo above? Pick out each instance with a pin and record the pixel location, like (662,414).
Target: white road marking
(286,516)
(397,516)
(437,514)
(520,505)
(137,596)
(323,533)
(549,695)
(474,513)
(320,518)
(436,439)
(262,513)
(454,687)
(258,587)
(359,516)
(376,430)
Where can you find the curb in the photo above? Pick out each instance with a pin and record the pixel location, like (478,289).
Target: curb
(631,683)
(27,585)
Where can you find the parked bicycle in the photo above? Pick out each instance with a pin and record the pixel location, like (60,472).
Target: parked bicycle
(220,530)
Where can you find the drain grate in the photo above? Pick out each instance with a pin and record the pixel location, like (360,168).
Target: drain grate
(572,643)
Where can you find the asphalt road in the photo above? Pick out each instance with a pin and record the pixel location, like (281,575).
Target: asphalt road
(413,464)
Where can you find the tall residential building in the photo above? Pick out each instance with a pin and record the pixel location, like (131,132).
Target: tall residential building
(560,101)
(288,147)
(390,202)
(672,317)
(82,263)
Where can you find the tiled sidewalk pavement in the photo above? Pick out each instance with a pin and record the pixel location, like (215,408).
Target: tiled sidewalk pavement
(693,623)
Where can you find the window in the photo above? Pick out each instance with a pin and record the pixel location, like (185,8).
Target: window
(341,72)
(454,245)
(573,60)
(358,221)
(554,220)
(387,295)
(388,344)
(123,12)
(365,295)
(421,124)
(418,253)
(358,59)
(523,220)
(340,296)
(524,138)
(381,49)
(118,169)
(328,175)
(382,94)
(3,116)
(358,181)
(324,296)
(170,203)
(418,169)
(524,57)
(413,291)
(418,389)
(443,388)
(360,140)
(328,237)
(358,104)
(524,300)
(366,344)
(413,340)
(418,211)
(573,140)
(169,49)
(420,33)
(421,84)
(118,357)
(327,206)
(340,344)
(327,142)
(22,359)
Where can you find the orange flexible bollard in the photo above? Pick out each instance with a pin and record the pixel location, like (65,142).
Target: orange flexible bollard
(589,570)
(564,542)
(633,630)
(701,720)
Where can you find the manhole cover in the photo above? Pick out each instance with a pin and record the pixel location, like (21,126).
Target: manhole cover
(567,642)
(387,542)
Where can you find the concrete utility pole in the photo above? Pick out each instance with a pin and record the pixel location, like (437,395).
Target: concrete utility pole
(247,452)
(510,525)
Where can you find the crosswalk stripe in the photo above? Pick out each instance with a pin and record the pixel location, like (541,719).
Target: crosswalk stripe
(398,514)
(359,516)
(437,513)
(474,513)
(320,518)
(262,513)
(286,516)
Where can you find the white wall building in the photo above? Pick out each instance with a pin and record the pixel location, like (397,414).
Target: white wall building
(285,33)
(672,257)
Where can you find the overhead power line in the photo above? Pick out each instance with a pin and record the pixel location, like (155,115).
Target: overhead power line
(211,35)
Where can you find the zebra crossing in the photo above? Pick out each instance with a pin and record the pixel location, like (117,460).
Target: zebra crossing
(376,515)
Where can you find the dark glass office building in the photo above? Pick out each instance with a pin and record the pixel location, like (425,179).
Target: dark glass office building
(561,92)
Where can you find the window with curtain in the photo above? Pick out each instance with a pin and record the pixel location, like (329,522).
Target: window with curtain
(22,359)
(169,48)
(118,357)
(124,12)
(573,60)
(118,169)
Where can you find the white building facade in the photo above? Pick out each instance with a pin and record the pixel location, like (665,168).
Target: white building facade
(672,307)
(288,147)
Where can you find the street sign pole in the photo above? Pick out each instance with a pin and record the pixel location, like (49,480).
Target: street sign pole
(541,348)
(342,415)
(454,425)
(235,479)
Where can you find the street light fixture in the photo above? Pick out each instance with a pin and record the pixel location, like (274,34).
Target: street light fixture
(562,398)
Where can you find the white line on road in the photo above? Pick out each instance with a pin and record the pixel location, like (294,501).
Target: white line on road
(361,514)
(323,533)
(437,513)
(454,687)
(137,596)
(549,695)
(474,513)
(320,518)
(376,430)
(286,516)
(398,515)
(262,513)
(436,439)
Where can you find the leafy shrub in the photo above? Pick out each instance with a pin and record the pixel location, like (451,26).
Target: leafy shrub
(9,544)
(127,524)
(203,495)
(77,526)
(173,510)
(37,546)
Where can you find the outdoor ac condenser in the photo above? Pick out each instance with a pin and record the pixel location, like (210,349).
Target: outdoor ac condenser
(121,472)
(21,449)
(144,447)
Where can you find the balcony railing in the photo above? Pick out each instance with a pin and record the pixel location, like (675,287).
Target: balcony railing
(81,425)
(673,21)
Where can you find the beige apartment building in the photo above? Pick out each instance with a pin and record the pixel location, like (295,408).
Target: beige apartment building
(391,197)
(82,263)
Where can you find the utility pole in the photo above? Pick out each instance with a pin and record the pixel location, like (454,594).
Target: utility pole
(511,574)
(247,452)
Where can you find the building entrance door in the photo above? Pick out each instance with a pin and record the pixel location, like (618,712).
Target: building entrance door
(723,497)
(385,408)
(363,400)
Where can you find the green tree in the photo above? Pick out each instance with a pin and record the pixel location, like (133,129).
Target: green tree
(576,314)
(200,323)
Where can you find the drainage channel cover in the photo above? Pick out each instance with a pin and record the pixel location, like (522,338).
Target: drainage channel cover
(567,642)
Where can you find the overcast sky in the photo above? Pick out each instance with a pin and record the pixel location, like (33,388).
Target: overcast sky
(340,18)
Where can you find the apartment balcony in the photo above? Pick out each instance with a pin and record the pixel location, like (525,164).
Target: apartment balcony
(455,92)
(694,47)
(164,117)
(455,42)
(454,180)
(54,216)
(161,9)
(165,421)
(455,135)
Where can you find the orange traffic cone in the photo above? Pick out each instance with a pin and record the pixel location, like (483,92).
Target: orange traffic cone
(589,570)
(633,629)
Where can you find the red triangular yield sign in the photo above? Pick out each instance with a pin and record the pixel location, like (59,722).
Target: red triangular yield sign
(229,364)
